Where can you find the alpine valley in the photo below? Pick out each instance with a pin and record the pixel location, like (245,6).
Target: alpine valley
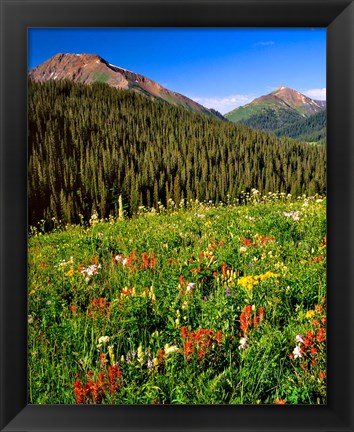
(175,256)
(100,136)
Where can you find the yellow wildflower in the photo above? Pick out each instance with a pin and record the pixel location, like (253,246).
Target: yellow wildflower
(140,354)
(310,314)
(111,355)
(250,281)
(70,272)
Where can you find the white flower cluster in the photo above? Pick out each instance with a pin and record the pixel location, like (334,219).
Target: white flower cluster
(103,340)
(171,349)
(297,353)
(64,263)
(294,215)
(90,270)
(243,343)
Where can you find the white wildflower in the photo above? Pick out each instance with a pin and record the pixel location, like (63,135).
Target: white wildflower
(190,286)
(171,349)
(299,338)
(294,215)
(297,352)
(243,343)
(91,270)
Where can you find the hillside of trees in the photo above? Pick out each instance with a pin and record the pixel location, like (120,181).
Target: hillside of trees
(287,123)
(270,119)
(311,129)
(90,144)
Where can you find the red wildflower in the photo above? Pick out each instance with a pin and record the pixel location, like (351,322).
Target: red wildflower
(310,336)
(145,260)
(102,360)
(218,337)
(98,308)
(322,375)
(188,348)
(196,270)
(246,318)
(307,342)
(184,332)
(114,375)
(280,401)
(261,314)
(246,242)
(97,392)
(321,335)
(80,396)
(201,354)
(127,291)
(213,245)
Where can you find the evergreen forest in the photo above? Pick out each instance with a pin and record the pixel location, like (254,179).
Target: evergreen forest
(311,129)
(89,145)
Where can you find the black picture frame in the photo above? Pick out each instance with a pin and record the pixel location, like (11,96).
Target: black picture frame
(16,17)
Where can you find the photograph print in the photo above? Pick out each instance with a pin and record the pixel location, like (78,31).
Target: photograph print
(177,216)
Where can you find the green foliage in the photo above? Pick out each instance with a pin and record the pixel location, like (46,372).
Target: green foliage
(163,295)
(88,145)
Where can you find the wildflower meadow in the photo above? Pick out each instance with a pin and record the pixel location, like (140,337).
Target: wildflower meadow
(195,303)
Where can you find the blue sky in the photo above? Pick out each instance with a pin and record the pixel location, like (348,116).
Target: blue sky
(220,68)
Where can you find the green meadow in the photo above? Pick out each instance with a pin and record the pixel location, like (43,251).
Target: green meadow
(189,304)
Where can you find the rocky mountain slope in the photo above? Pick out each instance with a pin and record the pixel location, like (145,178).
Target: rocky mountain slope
(91,68)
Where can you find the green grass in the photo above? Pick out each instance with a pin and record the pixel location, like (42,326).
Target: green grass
(100,77)
(178,343)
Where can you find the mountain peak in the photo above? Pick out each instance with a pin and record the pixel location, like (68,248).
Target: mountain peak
(298,101)
(70,57)
(281,88)
(92,68)
(276,109)
(284,90)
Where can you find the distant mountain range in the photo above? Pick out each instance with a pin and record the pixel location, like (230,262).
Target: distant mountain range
(91,68)
(285,112)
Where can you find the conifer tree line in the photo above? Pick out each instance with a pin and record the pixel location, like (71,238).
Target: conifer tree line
(90,144)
